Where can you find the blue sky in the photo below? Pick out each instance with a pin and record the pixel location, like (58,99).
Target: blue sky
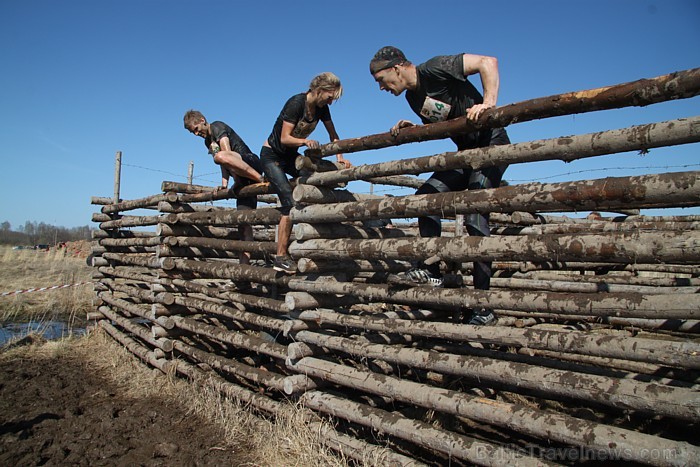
(81,80)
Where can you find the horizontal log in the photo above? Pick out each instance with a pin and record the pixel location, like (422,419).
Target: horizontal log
(176,230)
(680,189)
(99,217)
(549,229)
(221,270)
(121,234)
(638,247)
(97,262)
(397,180)
(127,242)
(305,300)
(593,286)
(130,221)
(164,298)
(149,201)
(126,272)
(676,402)
(233,297)
(137,349)
(245,396)
(596,266)
(257,189)
(542,424)
(423,434)
(251,319)
(231,366)
(315,164)
(133,260)
(222,244)
(139,331)
(624,305)
(225,218)
(191,252)
(306,231)
(237,339)
(526,218)
(309,266)
(101,200)
(179,187)
(658,282)
(314,195)
(99,250)
(675,325)
(166,206)
(261,190)
(130,307)
(566,148)
(680,354)
(678,85)
(361,450)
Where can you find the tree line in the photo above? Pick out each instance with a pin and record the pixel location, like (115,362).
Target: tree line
(33,233)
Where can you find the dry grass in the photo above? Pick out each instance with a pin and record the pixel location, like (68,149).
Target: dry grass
(285,441)
(24,269)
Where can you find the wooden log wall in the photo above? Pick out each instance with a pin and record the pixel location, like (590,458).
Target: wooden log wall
(596,353)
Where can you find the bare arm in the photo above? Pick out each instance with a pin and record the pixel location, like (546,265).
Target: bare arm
(487,67)
(224,143)
(288,140)
(333,135)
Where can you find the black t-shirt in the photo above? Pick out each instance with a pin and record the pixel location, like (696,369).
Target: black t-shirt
(294,111)
(218,130)
(444,93)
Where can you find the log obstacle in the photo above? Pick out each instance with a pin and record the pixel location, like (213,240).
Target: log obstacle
(595,355)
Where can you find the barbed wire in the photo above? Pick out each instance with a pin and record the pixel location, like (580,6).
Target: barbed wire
(386,190)
(605,169)
(197,177)
(153,170)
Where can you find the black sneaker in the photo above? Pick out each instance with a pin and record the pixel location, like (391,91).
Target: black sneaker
(482,317)
(284,264)
(421,277)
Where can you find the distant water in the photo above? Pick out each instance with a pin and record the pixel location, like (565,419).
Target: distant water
(47,329)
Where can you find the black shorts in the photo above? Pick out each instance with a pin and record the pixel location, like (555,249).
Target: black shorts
(249,202)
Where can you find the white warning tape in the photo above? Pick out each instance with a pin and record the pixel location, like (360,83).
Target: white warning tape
(41,289)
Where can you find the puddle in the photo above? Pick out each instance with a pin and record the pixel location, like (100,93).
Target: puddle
(49,330)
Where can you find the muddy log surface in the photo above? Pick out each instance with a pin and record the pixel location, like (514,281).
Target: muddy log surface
(57,410)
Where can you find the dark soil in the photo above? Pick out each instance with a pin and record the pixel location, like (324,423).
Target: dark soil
(57,411)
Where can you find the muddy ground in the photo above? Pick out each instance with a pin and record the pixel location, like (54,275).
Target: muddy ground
(58,410)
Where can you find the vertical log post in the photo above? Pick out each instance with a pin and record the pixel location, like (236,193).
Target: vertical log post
(117,175)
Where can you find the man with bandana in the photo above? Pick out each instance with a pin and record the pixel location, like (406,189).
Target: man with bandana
(439,90)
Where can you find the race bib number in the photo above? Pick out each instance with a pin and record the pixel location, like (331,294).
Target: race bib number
(434,110)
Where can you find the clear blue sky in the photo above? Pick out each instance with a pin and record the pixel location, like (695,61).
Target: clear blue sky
(81,80)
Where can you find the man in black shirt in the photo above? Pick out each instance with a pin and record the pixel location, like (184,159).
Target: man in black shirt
(439,90)
(235,159)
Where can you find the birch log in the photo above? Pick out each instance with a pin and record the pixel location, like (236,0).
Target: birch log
(678,85)
(680,189)
(567,149)
(542,424)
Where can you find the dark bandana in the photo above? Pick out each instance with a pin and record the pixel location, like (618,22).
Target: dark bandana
(386,57)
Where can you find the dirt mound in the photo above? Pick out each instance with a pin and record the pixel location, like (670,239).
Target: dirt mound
(80,248)
(54,410)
